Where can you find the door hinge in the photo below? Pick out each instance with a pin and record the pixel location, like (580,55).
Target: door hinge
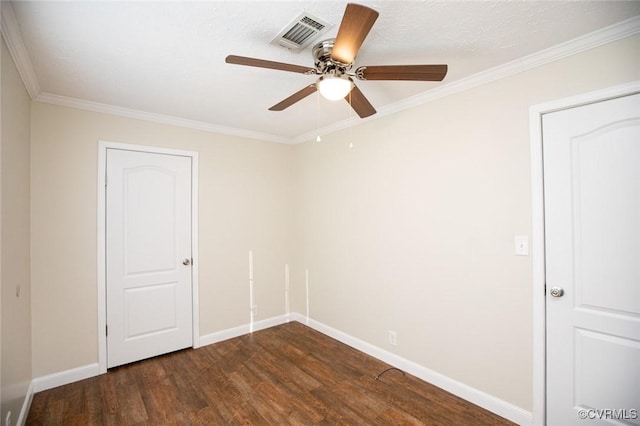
(106,330)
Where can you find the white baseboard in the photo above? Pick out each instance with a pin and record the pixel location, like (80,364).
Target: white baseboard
(61,378)
(26,404)
(241,330)
(65,377)
(475,396)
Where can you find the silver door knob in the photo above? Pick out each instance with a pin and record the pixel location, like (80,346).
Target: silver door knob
(556,292)
(186,262)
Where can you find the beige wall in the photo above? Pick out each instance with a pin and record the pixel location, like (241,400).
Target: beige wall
(412,230)
(244,196)
(14,175)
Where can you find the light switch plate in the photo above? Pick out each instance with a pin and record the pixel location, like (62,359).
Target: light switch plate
(521,245)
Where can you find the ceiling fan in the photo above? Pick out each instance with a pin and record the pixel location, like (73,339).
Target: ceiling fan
(333,61)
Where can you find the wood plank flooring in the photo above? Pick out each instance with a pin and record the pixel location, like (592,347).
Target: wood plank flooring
(289,374)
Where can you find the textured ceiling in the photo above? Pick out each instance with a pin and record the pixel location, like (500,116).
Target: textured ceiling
(167,58)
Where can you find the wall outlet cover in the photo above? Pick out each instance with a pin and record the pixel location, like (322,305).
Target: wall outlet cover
(393,338)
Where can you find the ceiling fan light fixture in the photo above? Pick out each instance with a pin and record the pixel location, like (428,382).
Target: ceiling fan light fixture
(334,88)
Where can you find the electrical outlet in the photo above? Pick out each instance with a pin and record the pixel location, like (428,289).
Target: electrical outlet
(254,310)
(7,420)
(393,338)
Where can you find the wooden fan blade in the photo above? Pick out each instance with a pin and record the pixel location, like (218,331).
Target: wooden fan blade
(299,95)
(356,24)
(402,72)
(261,63)
(359,103)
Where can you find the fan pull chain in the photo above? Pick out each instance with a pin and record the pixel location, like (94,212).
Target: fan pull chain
(318,138)
(350,122)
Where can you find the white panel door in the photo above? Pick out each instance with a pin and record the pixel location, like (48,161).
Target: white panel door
(148,249)
(592,233)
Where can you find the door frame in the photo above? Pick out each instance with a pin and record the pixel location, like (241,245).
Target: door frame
(537,229)
(103,146)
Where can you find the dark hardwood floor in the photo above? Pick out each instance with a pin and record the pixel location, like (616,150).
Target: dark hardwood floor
(289,374)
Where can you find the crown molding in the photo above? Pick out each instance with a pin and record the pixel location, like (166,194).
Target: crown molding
(65,101)
(13,39)
(592,40)
(580,44)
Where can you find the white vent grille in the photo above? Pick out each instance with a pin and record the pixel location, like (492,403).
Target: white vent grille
(301,31)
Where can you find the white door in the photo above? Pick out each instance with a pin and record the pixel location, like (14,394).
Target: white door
(148,250)
(592,235)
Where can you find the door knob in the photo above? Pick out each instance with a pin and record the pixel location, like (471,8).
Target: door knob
(556,292)
(186,262)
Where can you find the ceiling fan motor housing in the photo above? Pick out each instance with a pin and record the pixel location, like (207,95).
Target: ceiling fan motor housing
(323,62)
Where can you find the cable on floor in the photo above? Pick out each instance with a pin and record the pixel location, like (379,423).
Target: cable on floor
(388,369)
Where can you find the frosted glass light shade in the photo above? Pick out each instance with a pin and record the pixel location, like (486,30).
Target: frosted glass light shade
(334,88)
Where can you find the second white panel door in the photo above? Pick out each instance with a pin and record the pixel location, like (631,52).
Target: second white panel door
(592,233)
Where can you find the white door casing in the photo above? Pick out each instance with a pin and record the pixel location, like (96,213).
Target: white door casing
(592,242)
(147,295)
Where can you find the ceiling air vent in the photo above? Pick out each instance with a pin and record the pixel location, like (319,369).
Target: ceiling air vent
(301,31)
